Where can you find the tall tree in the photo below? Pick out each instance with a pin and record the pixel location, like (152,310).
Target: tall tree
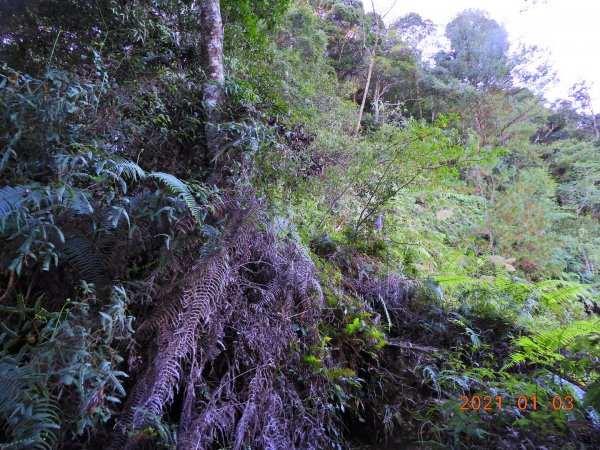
(414,30)
(372,56)
(580,92)
(212,55)
(492,89)
(520,223)
(479,50)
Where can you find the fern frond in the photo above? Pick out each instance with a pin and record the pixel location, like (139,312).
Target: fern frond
(542,346)
(10,199)
(512,284)
(571,291)
(179,188)
(88,263)
(550,292)
(453,280)
(566,335)
(26,406)
(548,285)
(129,169)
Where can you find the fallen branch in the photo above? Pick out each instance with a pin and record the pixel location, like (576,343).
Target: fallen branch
(409,346)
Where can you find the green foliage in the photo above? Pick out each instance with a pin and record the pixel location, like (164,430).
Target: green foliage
(251,21)
(26,406)
(500,244)
(180,189)
(60,357)
(577,165)
(592,396)
(79,214)
(479,49)
(416,154)
(449,203)
(351,14)
(156,433)
(542,346)
(512,295)
(522,219)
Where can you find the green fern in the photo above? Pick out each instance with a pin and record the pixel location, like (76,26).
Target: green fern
(87,262)
(550,292)
(10,199)
(542,346)
(459,280)
(181,189)
(25,405)
(568,291)
(129,169)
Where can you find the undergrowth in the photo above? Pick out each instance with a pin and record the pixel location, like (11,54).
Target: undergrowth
(337,289)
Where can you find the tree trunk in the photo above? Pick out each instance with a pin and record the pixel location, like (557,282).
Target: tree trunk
(369,73)
(376,100)
(594,122)
(418,92)
(372,54)
(212,63)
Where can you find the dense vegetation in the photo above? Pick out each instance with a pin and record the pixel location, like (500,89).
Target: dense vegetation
(330,255)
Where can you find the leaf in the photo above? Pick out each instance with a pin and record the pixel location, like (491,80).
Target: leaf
(180,188)
(87,261)
(11,198)
(569,292)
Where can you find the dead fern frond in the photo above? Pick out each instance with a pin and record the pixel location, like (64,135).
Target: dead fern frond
(221,337)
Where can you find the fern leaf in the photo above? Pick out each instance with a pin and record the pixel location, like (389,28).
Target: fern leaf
(25,405)
(181,189)
(88,263)
(569,292)
(542,346)
(10,199)
(129,169)
(453,280)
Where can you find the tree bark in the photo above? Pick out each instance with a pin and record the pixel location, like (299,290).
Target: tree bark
(212,63)
(372,55)
(376,100)
(594,122)
(418,94)
(370,72)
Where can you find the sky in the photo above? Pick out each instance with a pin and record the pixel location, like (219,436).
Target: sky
(568,29)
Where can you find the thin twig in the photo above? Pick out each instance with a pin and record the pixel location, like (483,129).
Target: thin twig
(9,288)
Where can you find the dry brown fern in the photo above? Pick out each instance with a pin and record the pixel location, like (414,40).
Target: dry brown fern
(221,346)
